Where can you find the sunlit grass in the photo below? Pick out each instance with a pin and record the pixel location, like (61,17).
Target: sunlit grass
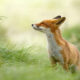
(24,62)
(30,64)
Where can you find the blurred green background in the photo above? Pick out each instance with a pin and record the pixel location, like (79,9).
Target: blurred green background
(23,51)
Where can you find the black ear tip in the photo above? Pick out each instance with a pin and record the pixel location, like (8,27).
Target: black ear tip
(61,20)
(57,17)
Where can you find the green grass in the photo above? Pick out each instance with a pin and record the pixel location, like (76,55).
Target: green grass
(26,64)
(72,35)
(19,62)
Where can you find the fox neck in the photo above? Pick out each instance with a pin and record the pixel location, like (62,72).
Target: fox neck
(54,44)
(55,37)
(58,37)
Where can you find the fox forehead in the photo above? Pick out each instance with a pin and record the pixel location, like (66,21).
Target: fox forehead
(46,23)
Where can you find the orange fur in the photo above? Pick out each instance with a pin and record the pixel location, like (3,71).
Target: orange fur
(69,52)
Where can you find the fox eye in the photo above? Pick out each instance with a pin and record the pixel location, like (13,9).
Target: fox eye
(42,23)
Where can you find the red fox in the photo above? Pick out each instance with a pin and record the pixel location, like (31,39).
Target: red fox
(60,51)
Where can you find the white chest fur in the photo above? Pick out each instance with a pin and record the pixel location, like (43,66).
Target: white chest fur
(54,48)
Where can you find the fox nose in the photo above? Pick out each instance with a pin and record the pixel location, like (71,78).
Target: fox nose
(32,24)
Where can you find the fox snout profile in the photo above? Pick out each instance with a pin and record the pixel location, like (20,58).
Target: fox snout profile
(60,51)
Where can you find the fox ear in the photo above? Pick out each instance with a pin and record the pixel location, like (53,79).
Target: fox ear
(57,17)
(60,21)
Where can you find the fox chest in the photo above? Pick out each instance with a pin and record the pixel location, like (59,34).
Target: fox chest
(54,48)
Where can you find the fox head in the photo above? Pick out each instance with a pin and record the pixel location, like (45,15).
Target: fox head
(52,24)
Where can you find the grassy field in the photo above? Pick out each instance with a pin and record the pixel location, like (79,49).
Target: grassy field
(20,62)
